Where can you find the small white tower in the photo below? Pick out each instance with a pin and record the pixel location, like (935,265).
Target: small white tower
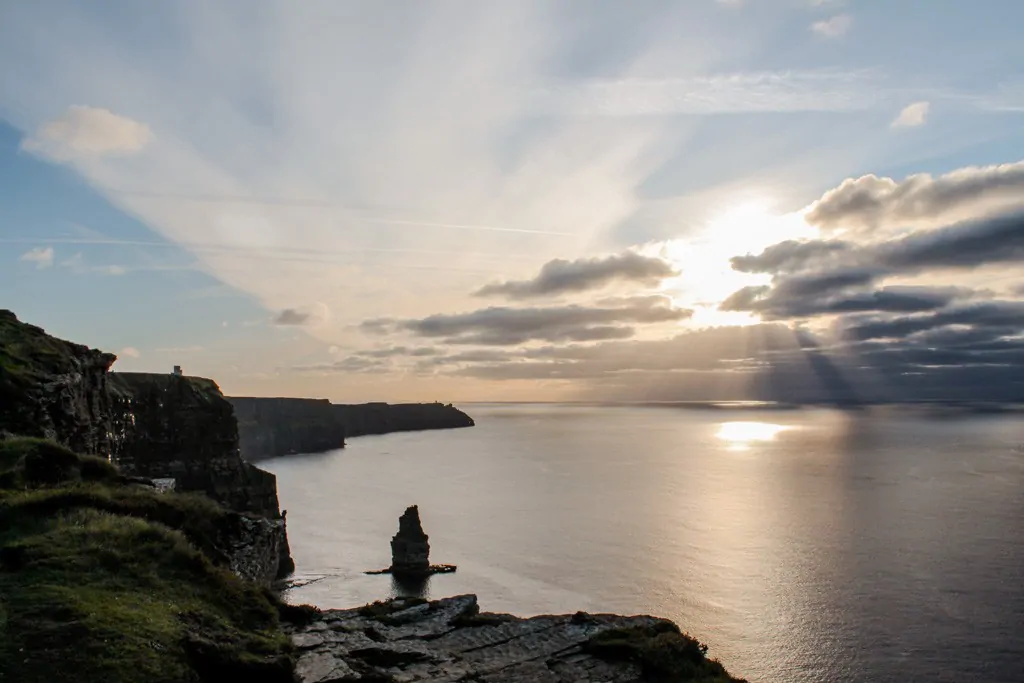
(177,371)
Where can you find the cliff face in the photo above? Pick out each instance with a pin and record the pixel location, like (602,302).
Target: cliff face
(183,428)
(270,427)
(152,426)
(53,389)
(168,426)
(277,426)
(383,418)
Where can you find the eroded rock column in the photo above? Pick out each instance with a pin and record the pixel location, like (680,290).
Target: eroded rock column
(410,552)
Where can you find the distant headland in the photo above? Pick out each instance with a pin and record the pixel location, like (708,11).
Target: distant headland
(269,427)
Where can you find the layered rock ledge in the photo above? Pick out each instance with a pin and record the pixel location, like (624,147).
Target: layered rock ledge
(407,640)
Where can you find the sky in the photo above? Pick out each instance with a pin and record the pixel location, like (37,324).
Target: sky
(792,200)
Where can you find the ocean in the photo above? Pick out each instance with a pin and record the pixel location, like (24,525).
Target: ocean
(800,545)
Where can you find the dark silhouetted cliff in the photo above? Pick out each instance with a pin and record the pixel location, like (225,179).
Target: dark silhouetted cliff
(148,425)
(269,427)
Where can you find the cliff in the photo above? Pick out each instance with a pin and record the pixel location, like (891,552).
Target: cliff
(105,580)
(148,425)
(383,418)
(270,427)
(52,388)
(183,428)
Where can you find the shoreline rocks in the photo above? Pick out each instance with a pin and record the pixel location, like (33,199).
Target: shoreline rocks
(450,640)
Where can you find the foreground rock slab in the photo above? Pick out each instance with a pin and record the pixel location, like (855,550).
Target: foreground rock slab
(407,640)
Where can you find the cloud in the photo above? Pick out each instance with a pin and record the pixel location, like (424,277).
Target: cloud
(1004,315)
(912,115)
(964,245)
(833,27)
(351,364)
(561,276)
(41,256)
(788,256)
(766,362)
(129,352)
(787,301)
(395,351)
(315,315)
(871,269)
(290,316)
(709,350)
(820,90)
(872,204)
(502,326)
(112,270)
(88,132)
(896,331)
(827,267)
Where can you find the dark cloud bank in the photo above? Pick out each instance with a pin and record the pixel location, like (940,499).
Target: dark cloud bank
(505,326)
(922,342)
(877,339)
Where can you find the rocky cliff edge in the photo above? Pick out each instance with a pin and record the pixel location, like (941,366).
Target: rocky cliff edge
(450,640)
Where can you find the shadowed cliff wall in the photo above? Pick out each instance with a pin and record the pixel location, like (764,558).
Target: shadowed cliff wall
(149,425)
(184,428)
(278,426)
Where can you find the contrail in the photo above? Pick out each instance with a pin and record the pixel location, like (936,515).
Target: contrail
(218,248)
(278,254)
(310,204)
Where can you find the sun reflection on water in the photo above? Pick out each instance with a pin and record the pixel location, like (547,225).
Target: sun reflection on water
(739,435)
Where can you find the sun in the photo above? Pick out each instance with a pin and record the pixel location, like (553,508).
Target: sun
(706,277)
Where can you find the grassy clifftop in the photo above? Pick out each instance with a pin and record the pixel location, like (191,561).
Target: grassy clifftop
(52,388)
(105,580)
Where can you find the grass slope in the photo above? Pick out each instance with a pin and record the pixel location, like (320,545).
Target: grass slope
(664,654)
(101,580)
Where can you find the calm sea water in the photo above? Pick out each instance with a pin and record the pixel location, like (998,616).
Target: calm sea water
(803,545)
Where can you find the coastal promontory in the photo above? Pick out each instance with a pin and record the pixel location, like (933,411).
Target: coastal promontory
(270,427)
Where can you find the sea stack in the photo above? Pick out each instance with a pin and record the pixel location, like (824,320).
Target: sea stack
(410,552)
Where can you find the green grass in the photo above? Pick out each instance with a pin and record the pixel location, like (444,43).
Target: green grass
(101,581)
(27,356)
(24,347)
(29,462)
(663,653)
